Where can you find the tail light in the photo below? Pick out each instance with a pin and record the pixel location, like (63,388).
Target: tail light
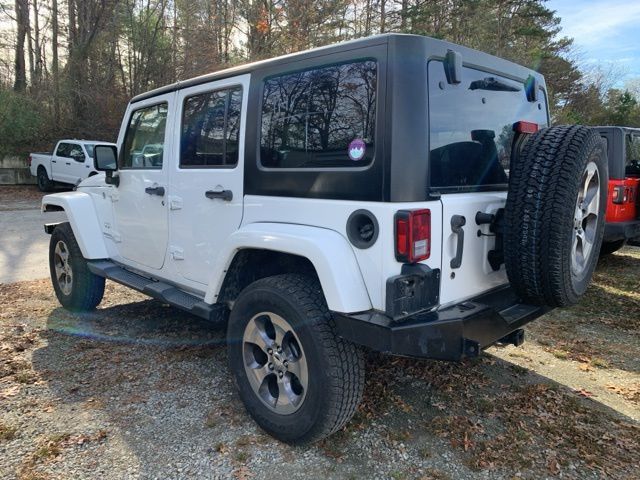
(29,161)
(413,235)
(620,194)
(525,127)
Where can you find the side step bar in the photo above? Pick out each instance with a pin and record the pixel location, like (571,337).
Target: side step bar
(161,291)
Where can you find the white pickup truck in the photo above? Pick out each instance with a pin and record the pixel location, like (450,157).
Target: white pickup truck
(70,163)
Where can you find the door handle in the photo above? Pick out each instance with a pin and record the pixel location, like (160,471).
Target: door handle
(68,163)
(53,161)
(226,195)
(155,191)
(457,222)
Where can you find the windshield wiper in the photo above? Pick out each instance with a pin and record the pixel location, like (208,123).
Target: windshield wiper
(493,84)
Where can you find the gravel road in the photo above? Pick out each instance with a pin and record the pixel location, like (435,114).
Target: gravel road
(24,246)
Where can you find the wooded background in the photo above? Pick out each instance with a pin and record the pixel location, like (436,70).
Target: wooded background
(68,67)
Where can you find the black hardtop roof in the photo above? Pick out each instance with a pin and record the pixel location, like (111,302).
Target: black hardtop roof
(481,58)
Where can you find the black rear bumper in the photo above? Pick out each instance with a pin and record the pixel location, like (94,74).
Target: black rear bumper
(621,230)
(452,333)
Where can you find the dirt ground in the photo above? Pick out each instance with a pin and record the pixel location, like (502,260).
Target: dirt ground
(140,390)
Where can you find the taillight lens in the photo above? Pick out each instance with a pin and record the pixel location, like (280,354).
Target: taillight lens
(413,235)
(29,161)
(620,194)
(525,127)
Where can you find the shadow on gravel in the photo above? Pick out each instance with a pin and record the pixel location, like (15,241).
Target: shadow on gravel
(158,379)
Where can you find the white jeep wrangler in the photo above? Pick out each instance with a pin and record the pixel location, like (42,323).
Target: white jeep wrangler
(398,193)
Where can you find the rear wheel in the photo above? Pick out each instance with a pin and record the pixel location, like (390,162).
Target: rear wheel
(76,287)
(298,379)
(554,216)
(44,184)
(608,248)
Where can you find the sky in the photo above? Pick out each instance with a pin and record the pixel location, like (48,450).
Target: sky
(606,33)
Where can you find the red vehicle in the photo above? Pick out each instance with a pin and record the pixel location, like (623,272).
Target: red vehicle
(623,200)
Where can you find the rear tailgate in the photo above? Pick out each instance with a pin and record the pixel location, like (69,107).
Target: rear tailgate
(471,134)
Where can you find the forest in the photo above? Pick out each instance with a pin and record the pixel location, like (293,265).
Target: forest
(68,67)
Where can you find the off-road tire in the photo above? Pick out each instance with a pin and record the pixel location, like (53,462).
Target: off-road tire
(87,289)
(43,181)
(544,184)
(608,248)
(335,366)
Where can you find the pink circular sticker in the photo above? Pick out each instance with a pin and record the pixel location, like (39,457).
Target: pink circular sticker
(357,148)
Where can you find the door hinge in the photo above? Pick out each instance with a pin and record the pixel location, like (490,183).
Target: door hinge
(177,253)
(113,235)
(175,203)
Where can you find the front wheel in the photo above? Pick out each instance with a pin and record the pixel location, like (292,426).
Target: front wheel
(296,377)
(76,287)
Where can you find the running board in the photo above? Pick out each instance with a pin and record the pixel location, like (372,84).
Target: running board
(159,290)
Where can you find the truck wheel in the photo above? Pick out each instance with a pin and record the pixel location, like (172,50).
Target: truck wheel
(608,248)
(554,216)
(76,287)
(44,184)
(298,379)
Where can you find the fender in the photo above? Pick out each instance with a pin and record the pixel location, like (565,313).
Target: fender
(327,250)
(83,219)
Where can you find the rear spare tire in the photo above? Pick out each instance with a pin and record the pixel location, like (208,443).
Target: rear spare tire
(554,215)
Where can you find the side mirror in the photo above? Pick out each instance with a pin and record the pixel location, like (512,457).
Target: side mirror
(105,159)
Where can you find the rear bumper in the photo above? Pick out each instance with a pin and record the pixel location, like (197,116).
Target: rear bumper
(453,333)
(621,230)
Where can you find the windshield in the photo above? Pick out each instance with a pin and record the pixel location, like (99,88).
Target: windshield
(89,147)
(471,128)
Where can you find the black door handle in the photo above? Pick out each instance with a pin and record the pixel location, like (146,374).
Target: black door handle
(457,222)
(226,195)
(68,163)
(53,161)
(155,191)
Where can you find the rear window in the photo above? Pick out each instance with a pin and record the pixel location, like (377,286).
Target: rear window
(320,118)
(471,128)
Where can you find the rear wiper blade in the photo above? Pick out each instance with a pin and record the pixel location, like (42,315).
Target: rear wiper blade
(492,83)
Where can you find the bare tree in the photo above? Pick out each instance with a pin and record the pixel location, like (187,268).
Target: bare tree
(22,23)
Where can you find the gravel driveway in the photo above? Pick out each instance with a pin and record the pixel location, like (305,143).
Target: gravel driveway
(24,246)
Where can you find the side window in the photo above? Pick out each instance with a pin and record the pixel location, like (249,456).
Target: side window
(632,163)
(144,139)
(320,118)
(64,150)
(76,153)
(210,129)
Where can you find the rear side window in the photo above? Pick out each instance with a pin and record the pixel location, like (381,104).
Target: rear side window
(89,147)
(144,139)
(320,118)
(471,127)
(210,129)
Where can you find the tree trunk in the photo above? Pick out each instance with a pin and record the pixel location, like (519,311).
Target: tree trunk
(22,22)
(37,47)
(54,62)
